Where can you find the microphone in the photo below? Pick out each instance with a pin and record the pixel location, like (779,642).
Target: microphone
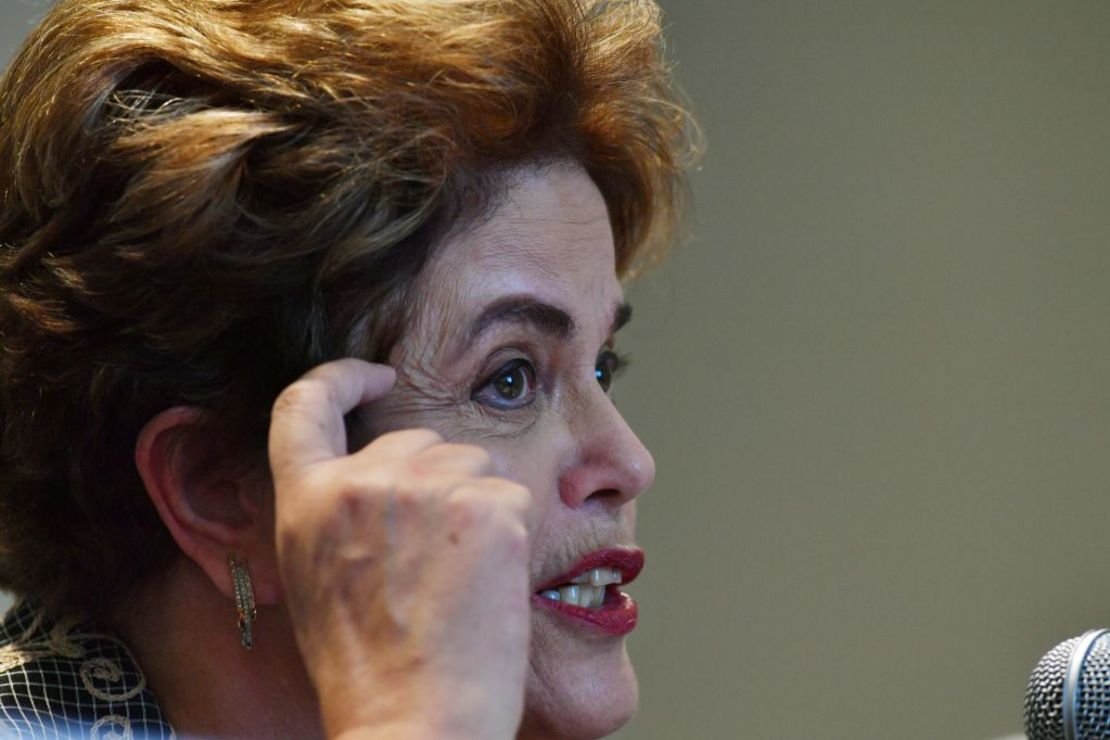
(1068,696)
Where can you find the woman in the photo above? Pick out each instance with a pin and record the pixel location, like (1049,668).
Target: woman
(308,310)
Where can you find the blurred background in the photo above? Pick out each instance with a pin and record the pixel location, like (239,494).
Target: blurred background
(877,379)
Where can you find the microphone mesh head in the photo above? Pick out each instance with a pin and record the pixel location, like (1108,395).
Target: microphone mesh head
(1044,718)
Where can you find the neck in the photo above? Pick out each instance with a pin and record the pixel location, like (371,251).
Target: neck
(183,634)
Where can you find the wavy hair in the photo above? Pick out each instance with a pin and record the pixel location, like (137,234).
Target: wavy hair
(204,198)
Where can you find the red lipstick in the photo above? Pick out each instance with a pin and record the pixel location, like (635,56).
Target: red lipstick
(618,613)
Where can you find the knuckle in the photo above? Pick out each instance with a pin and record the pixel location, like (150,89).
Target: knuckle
(424,435)
(449,458)
(347,490)
(349,496)
(487,520)
(472,455)
(413,437)
(478,451)
(407,500)
(517,542)
(479,454)
(511,535)
(297,396)
(494,498)
(464,505)
(514,495)
(471,507)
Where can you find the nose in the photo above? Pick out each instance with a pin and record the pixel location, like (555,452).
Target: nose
(611,466)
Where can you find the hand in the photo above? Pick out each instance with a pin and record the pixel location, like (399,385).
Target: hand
(405,568)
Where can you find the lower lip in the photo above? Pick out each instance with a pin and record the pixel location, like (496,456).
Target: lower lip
(616,616)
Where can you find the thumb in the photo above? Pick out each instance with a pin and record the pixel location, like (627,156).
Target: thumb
(306,426)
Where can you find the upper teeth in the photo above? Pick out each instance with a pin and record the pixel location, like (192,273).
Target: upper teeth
(586,590)
(599,577)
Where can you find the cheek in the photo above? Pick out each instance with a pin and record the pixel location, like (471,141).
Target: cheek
(532,461)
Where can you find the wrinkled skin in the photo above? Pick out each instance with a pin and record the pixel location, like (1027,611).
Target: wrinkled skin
(558,434)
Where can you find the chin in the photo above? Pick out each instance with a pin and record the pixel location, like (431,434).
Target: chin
(578,691)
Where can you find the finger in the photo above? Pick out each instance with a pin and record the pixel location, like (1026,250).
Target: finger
(306,426)
(461,459)
(514,497)
(403,443)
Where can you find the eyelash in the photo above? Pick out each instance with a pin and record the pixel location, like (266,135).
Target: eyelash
(617,362)
(486,393)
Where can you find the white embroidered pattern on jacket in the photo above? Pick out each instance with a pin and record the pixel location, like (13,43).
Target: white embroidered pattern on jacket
(112,727)
(66,678)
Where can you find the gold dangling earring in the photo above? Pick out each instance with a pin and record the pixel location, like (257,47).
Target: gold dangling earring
(244,597)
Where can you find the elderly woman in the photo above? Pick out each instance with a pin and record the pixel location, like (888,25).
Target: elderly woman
(307,317)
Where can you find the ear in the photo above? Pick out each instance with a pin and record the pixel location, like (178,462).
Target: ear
(212,504)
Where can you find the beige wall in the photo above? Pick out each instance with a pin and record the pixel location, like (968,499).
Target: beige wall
(878,381)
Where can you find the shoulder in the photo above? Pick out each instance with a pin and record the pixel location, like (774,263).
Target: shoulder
(65,678)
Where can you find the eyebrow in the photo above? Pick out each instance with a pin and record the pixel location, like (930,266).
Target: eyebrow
(548,318)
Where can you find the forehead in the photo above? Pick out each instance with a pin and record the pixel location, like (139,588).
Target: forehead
(549,237)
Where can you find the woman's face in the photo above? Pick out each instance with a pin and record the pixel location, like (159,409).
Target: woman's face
(512,349)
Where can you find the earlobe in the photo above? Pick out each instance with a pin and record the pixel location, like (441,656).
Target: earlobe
(212,505)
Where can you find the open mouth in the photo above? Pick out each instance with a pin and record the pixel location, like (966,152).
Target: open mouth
(588,590)
(588,593)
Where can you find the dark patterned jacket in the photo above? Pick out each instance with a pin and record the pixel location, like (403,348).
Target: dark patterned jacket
(67,679)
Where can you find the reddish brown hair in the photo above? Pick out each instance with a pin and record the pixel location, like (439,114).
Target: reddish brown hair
(204,198)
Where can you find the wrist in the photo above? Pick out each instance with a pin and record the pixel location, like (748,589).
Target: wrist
(406,719)
(402,730)
(413,706)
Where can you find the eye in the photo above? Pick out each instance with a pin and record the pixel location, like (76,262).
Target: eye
(609,365)
(513,386)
